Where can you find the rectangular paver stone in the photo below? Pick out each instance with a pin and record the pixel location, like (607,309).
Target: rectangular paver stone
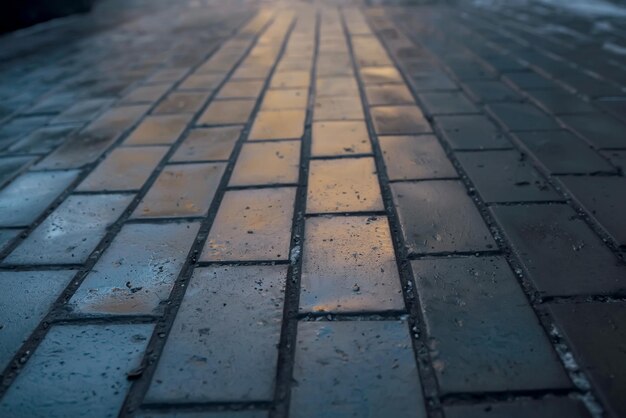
(85,366)
(349,266)
(446,103)
(506,176)
(536,408)
(70,233)
(338,108)
(471,132)
(227,112)
(482,333)
(267,163)
(415,158)
(559,252)
(355,368)
(124,169)
(208,144)
(181,190)
(428,224)
(26,298)
(246,89)
(522,117)
(223,345)
(278,124)
(597,336)
(285,99)
(181,102)
(340,138)
(388,94)
(155,130)
(22,201)
(252,225)
(343,185)
(399,120)
(137,272)
(487,91)
(598,129)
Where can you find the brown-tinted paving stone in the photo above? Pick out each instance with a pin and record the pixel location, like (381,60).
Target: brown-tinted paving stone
(344,185)
(70,233)
(26,298)
(388,94)
(442,103)
(167,75)
(471,132)
(22,201)
(336,86)
(223,344)
(181,190)
(267,163)
(158,130)
(380,75)
(146,94)
(241,89)
(355,368)
(560,102)
(136,273)
(78,371)
(84,110)
(10,166)
(252,72)
(124,169)
(482,333)
(278,124)
(181,102)
(87,146)
(415,158)
(338,108)
(562,152)
(597,336)
(43,140)
(252,225)
(399,120)
(207,414)
(227,112)
(598,129)
(488,91)
(291,79)
(506,176)
(349,266)
(208,144)
(339,138)
(202,82)
(603,198)
(428,224)
(522,117)
(559,252)
(285,99)
(535,408)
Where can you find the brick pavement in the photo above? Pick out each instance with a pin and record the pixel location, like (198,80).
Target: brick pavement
(314,209)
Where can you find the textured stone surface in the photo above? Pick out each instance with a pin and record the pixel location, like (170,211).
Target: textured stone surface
(415,158)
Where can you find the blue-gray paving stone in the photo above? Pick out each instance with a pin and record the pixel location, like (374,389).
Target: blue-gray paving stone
(78,371)
(506,176)
(618,158)
(82,111)
(560,102)
(487,91)
(9,166)
(563,152)
(431,80)
(525,408)
(137,272)
(596,333)
(26,298)
(22,201)
(528,80)
(600,130)
(223,345)
(6,236)
(482,333)
(471,132)
(428,224)
(43,140)
(559,252)
(415,158)
(445,103)
(70,233)
(522,117)
(355,369)
(603,197)
(207,414)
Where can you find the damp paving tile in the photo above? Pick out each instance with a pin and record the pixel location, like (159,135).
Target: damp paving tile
(208,144)
(275,162)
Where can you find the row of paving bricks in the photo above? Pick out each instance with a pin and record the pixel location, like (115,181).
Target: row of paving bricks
(336,213)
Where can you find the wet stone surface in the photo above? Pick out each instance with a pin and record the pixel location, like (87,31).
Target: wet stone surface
(543,408)
(415,158)
(207,144)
